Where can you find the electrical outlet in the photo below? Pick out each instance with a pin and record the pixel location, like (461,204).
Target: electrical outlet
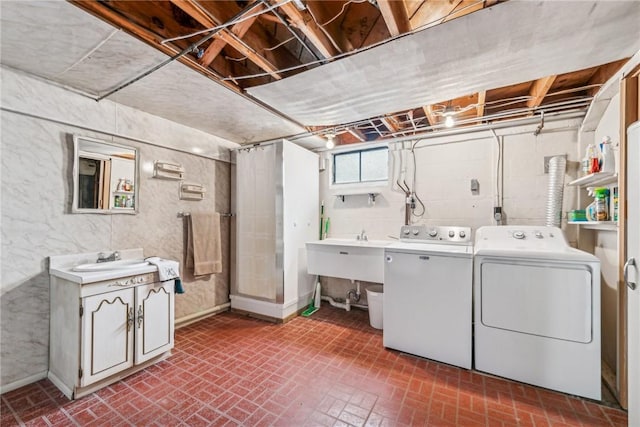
(497,213)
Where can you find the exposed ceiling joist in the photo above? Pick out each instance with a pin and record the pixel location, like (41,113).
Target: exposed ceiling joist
(603,74)
(539,90)
(391,123)
(310,29)
(482,96)
(429,114)
(395,16)
(193,9)
(101,11)
(218,44)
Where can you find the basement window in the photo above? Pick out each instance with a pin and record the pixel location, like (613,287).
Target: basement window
(361,166)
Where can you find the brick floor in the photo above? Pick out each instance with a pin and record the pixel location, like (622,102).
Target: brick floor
(327,370)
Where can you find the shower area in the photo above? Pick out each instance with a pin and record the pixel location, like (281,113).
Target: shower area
(276,197)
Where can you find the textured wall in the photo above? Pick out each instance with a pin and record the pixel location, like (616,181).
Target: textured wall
(444,172)
(36,194)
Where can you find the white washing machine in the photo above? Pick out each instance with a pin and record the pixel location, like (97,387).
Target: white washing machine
(537,309)
(427,301)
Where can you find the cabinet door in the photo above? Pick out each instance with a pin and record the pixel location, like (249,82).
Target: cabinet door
(107,335)
(154,320)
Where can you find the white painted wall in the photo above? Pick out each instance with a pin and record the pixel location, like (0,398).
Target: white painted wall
(445,167)
(37,119)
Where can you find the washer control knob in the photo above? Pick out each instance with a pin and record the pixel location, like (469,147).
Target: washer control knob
(452,233)
(433,232)
(415,231)
(539,235)
(462,234)
(406,231)
(518,234)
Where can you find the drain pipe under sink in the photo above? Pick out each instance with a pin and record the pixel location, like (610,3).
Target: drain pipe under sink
(347,304)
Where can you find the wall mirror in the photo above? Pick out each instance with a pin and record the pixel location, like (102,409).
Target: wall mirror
(105,177)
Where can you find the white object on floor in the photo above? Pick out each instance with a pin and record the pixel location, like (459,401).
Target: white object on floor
(537,309)
(375,299)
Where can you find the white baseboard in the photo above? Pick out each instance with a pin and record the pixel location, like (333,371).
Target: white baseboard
(268,309)
(23,382)
(192,318)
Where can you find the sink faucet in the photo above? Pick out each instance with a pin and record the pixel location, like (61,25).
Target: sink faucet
(362,236)
(102,257)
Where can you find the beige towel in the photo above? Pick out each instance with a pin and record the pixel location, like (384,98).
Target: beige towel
(204,253)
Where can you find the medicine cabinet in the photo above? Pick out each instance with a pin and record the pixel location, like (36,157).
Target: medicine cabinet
(105,177)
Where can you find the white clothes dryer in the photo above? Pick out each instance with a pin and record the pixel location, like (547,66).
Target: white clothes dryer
(537,309)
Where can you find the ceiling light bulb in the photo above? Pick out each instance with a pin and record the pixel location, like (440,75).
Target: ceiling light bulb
(330,143)
(449,122)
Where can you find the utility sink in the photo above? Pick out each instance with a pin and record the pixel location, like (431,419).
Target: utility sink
(347,258)
(111,265)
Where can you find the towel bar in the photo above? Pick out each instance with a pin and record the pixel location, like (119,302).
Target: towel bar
(183,214)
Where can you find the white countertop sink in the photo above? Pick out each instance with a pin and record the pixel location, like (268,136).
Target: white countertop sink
(347,258)
(111,265)
(352,242)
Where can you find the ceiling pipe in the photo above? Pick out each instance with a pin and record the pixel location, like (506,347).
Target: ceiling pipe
(470,129)
(182,53)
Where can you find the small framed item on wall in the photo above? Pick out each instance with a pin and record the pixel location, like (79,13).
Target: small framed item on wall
(191,191)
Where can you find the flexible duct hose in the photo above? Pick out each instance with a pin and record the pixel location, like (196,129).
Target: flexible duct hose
(557,168)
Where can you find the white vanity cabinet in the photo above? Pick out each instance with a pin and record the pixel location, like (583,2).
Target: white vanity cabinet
(103,331)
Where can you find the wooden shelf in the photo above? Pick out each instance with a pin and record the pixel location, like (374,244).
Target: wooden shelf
(597,225)
(595,179)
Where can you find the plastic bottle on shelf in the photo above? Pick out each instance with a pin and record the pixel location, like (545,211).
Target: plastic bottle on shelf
(607,159)
(594,161)
(585,163)
(602,205)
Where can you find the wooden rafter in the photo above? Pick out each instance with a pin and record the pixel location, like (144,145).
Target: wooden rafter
(539,90)
(193,9)
(358,134)
(305,23)
(101,11)
(603,74)
(429,114)
(218,44)
(482,96)
(390,123)
(395,16)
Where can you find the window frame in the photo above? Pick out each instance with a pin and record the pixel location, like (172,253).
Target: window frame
(360,182)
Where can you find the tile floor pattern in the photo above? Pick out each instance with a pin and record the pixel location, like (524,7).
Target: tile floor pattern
(327,370)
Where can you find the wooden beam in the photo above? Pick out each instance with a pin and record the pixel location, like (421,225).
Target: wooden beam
(431,117)
(390,123)
(107,14)
(305,23)
(539,90)
(214,49)
(395,16)
(193,9)
(482,96)
(604,73)
(358,134)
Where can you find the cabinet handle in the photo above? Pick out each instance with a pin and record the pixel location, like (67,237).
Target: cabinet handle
(630,262)
(130,319)
(140,316)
